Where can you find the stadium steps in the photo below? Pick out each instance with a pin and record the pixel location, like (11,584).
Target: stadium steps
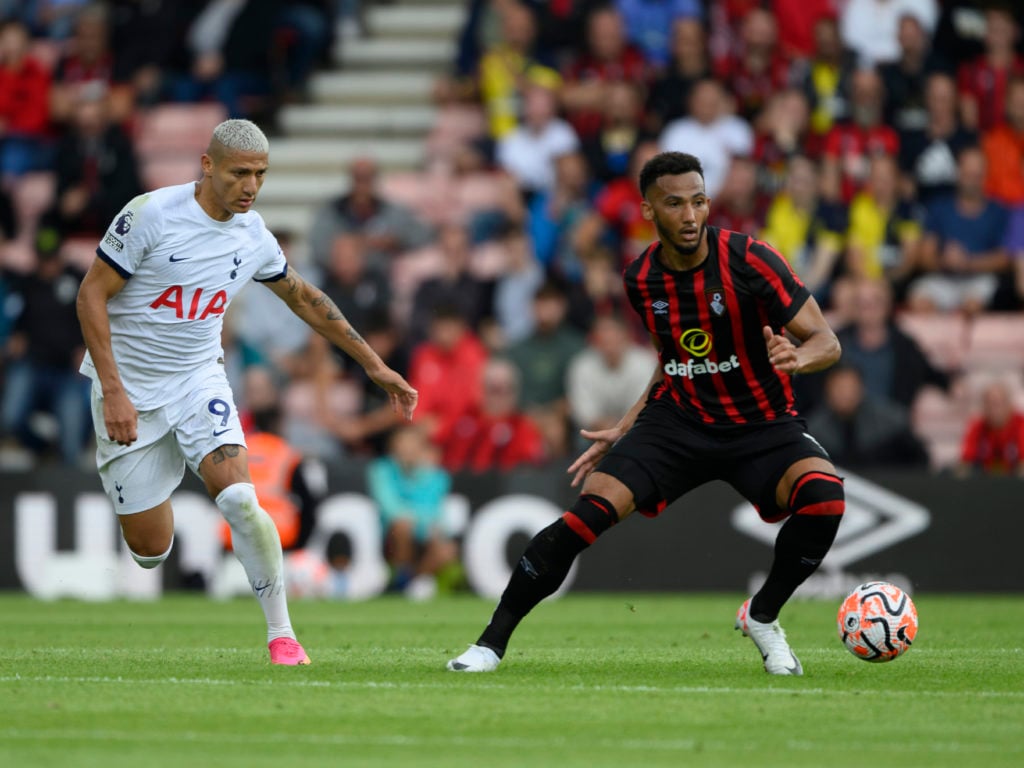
(376,102)
(387,87)
(360,120)
(318,154)
(432,54)
(420,20)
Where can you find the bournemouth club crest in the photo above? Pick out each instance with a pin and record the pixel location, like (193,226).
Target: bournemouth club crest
(716,300)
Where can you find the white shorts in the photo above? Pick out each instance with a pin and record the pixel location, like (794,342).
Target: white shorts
(950,292)
(142,475)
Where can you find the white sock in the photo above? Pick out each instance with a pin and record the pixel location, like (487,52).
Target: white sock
(153,560)
(258,547)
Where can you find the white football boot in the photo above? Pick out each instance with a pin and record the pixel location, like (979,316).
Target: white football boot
(476,658)
(770,640)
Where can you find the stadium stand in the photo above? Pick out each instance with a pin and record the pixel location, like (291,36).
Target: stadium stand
(394,92)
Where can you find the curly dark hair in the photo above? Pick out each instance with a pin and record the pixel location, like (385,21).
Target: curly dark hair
(667,164)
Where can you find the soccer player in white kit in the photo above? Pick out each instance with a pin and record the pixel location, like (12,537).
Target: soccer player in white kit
(151,309)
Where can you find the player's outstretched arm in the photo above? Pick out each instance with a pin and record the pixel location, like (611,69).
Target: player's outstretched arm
(819,348)
(101,283)
(322,315)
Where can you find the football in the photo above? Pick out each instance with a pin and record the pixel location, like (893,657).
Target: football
(877,621)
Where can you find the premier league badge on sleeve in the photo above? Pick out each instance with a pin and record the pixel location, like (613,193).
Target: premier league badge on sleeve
(124,224)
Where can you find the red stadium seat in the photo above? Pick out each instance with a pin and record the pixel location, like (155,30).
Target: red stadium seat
(943,337)
(166,171)
(175,129)
(454,126)
(996,342)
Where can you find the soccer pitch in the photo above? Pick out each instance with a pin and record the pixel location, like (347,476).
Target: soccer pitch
(590,680)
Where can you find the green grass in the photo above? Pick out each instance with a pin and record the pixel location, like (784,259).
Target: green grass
(611,680)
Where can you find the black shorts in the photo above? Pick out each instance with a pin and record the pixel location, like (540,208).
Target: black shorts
(664,456)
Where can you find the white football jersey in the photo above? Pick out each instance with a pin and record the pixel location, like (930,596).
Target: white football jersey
(182,269)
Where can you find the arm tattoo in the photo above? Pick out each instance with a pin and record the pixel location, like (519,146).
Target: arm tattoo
(291,282)
(333,313)
(353,334)
(219,455)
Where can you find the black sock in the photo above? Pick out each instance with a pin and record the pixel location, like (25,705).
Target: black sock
(539,572)
(800,547)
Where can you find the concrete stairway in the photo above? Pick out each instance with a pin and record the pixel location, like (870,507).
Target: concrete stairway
(377,102)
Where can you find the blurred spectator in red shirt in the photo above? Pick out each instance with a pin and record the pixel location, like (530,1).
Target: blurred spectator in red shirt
(618,220)
(669,94)
(88,63)
(850,144)
(24,104)
(724,20)
(496,435)
(994,441)
(1004,148)
(445,370)
(983,81)
(796,20)
(756,69)
(740,206)
(609,58)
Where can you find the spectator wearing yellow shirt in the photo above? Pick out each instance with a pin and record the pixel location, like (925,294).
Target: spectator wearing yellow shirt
(508,66)
(884,233)
(805,229)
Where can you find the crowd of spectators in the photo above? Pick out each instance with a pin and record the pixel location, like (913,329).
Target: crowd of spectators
(76,82)
(878,144)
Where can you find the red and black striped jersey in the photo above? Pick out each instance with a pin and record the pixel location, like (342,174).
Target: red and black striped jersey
(709,322)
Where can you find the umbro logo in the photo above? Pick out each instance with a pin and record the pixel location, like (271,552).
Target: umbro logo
(660,307)
(174,259)
(875,519)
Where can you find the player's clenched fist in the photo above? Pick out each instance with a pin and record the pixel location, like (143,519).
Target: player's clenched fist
(781,352)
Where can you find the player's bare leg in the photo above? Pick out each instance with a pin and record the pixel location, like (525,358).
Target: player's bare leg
(545,564)
(813,494)
(149,534)
(254,538)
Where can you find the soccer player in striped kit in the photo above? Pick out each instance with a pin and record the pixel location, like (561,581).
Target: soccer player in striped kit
(720,406)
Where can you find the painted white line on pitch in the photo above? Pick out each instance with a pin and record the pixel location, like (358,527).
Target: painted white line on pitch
(484,684)
(498,742)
